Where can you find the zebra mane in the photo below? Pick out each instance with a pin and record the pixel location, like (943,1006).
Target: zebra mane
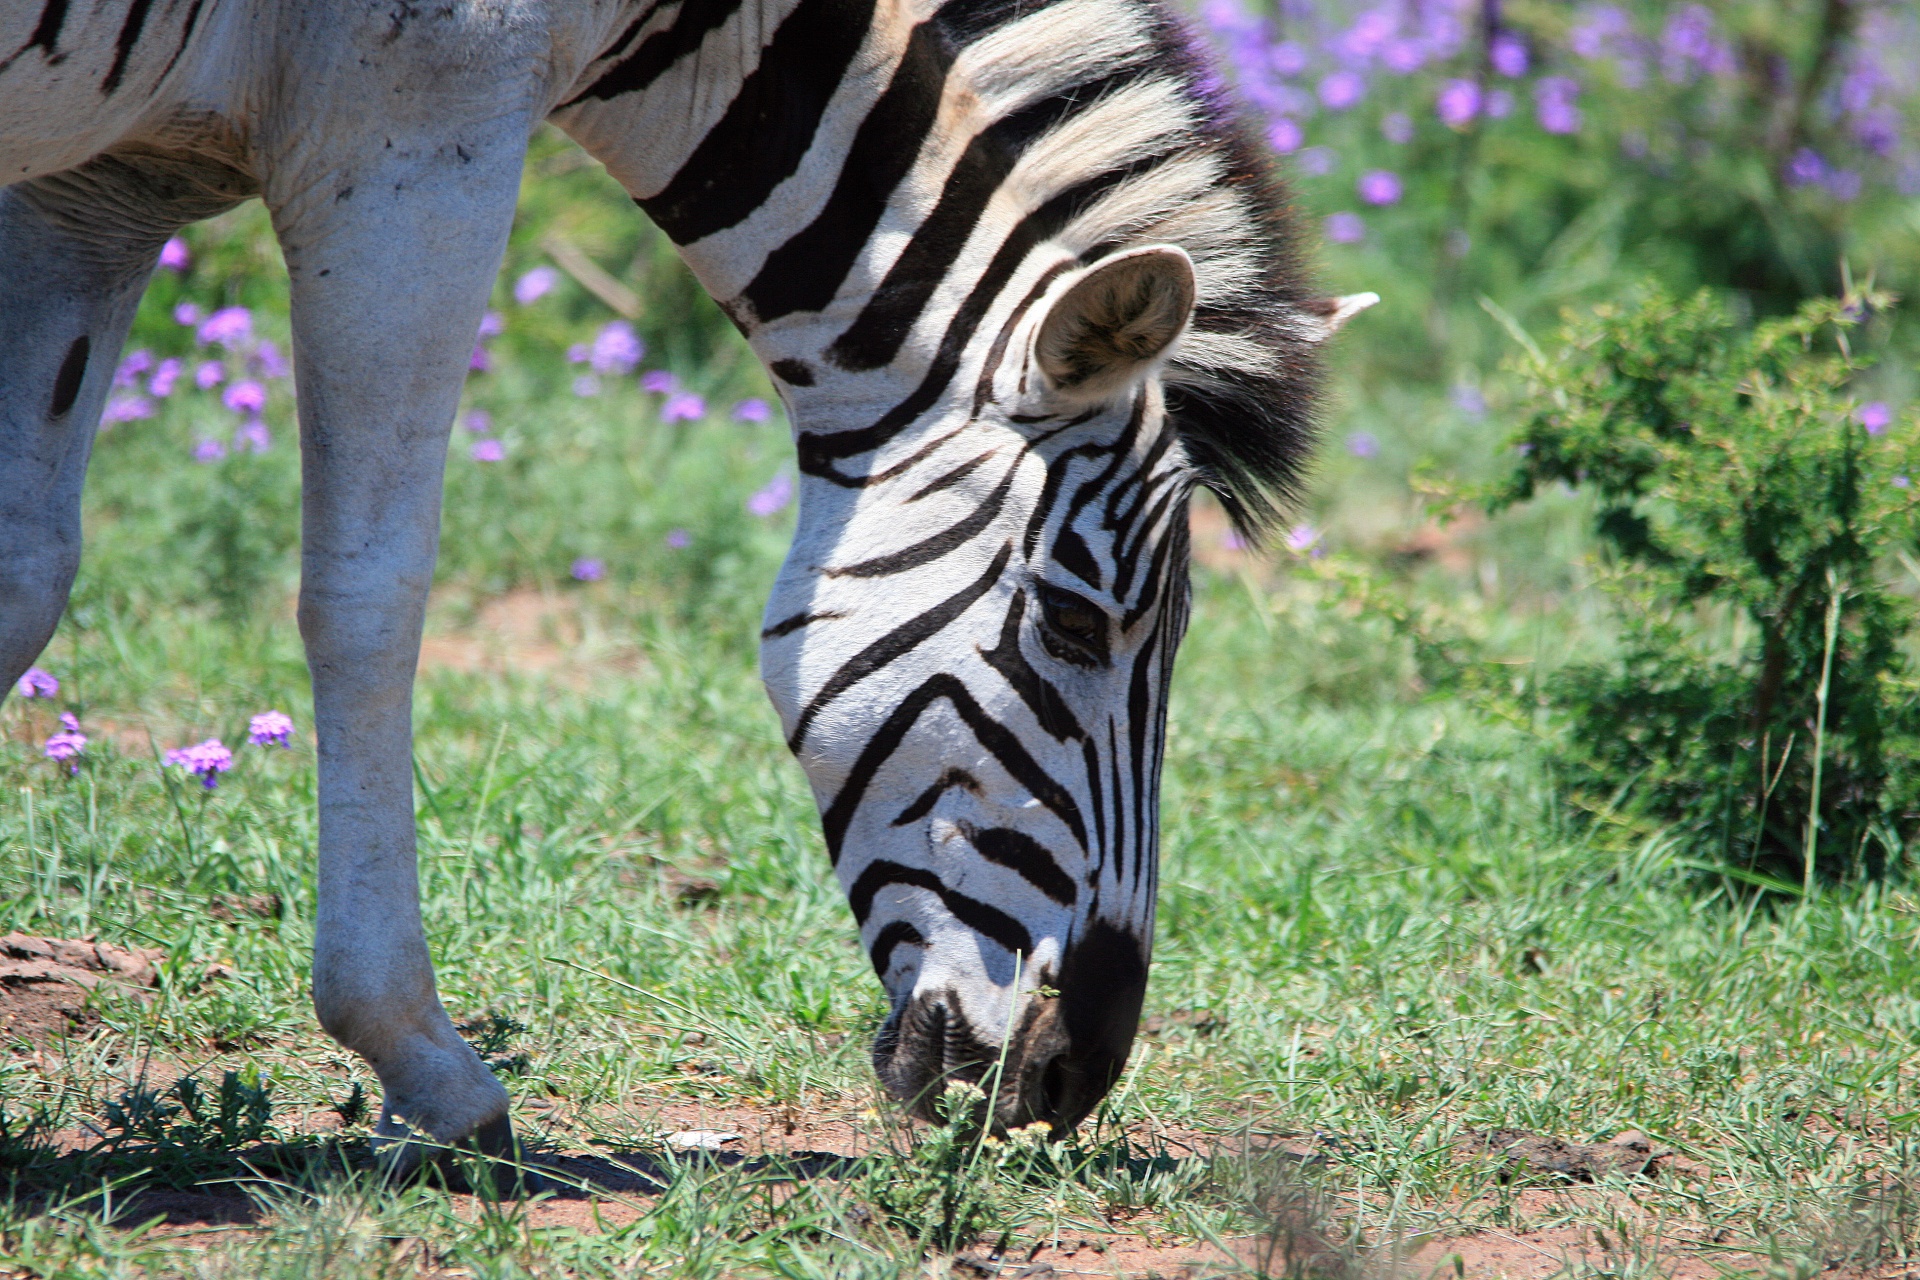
(1241,384)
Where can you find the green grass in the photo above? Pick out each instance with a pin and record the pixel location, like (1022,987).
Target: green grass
(1398,930)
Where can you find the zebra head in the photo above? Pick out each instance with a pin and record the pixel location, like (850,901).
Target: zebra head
(969,647)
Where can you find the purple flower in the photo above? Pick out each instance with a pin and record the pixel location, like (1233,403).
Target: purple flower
(586,385)
(174,255)
(209,450)
(1554,108)
(1362,444)
(1688,46)
(126,409)
(1468,400)
(1288,58)
(37,684)
(1901,482)
(1499,104)
(1403,57)
(1232,541)
(478,421)
(270,729)
(130,369)
(1345,228)
(1805,168)
(245,397)
(1380,187)
(1369,32)
(488,451)
(1603,27)
(1878,130)
(205,760)
(752,409)
(659,380)
(164,376)
(1843,184)
(253,436)
(1315,162)
(616,349)
(683,406)
(1458,103)
(209,375)
(1875,416)
(588,569)
(479,361)
(1342,89)
(1301,538)
(227,327)
(773,498)
(535,285)
(186,314)
(579,353)
(65,747)
(1397,127)
(1508,54)
(491,325)
(267,358)
(679,539)
(1285,136)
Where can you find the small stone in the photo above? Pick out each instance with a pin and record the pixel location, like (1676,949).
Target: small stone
(701,1139)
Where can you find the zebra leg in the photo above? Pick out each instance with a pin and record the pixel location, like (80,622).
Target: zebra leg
(76,249)
(391,253)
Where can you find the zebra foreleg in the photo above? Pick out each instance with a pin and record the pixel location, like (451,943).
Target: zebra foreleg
(391,252)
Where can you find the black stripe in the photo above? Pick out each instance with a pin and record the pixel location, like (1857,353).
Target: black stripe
(1090,759)
(186,34)
(123,44)
(1006,657)
(1020,852)
(1120,802)
(897,643)
(923,806)
(696,19)
(760,141)
(804,273)
(989,922)
(952,477)
(46,33)
(1005,747)
(73,371)
(895,933)
(932,548)
(787,626)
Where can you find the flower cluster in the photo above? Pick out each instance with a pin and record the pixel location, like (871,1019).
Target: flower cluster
(208,760)
(65,747)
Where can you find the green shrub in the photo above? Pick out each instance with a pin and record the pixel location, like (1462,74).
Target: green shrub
(1756,521)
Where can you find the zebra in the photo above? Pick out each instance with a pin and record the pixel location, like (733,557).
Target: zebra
(1022,281)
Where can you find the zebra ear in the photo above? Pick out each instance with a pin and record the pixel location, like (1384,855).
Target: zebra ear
(1106,328)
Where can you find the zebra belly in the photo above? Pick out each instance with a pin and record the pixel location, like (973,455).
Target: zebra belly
(75,78)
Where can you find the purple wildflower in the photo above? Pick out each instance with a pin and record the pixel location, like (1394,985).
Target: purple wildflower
(126,409)
(187,314)
(37,684)
(491,325)
(227,327)
(773,498)
(1315,162)
(1341,90)
(1285,136)
(1875,416)
(478,421)
(535,285)
(1603,27)
(1688,46)
(267,358)
(1805,168)
(1554,105)
(209,450)
(253,436)
(1363,444)
(1844,184)
(1468,400)
(1397,127)
(245,397)
(679,539)
(586,386)
(616,349)
(1288,58)
(588,569)
(129,370)
(1499,104)
(1369,32)
(752,409)
(270,729)
(1459,102)
(1232,541)
(659,380)
(1301,539)
(1403,57)
(174,255)
(1878,130)
(65,747)
(205,760)
(488,451)
(1380,187)
(165,375)
(1901,482)
(209,375)
(579,353)
(683,406)
(1345,228)
(1508,54)
(479,361)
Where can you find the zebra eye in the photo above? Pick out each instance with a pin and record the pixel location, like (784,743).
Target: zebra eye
(1074,628)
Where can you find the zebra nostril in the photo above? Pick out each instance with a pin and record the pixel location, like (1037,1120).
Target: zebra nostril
(1053,1089)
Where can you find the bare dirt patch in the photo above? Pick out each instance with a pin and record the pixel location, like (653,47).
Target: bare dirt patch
(44,983)
(524,632)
